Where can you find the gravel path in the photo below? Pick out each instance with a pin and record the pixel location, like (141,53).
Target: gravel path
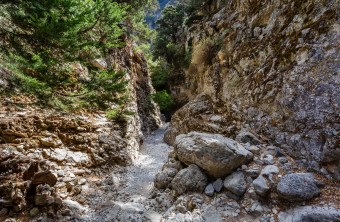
(152,156)
(123,196)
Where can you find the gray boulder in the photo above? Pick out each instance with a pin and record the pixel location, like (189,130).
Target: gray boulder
(261,186)
(214,153)
(310,214)
(298,187)
(189,179)
(236,183)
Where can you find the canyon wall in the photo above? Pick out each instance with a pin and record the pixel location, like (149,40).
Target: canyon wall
(269,66)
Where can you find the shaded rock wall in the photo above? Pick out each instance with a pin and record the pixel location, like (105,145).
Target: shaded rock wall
(146,116)
(272,66)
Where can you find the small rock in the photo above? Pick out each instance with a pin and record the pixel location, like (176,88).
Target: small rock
(261,186)
(34,212)
(66,212)
(253,149)
(181,209)
(3,212)
(270,169)
(283,160)
(189,179)
(61,173)
(253,173)
(258,162)
(247,137)
(50,142)
(45,178)
(209,190)
(268,159)
(41,199)
(278,152)
(82,181)
(218,185)
(313,166)
(256,208)
(236,183)
(153,216)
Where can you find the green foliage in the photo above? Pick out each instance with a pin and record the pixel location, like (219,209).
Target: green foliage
(193,5)
(160,74)
(61,30)
(168,26)
(106,87)
(164,100)
(42,40)
(119,114)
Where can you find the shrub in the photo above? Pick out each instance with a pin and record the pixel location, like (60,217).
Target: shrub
(164,100)
(119,114)
(160,73)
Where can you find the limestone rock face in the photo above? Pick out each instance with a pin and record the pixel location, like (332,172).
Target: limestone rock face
(298,187)
(274,67)
(189,179)
(216,154)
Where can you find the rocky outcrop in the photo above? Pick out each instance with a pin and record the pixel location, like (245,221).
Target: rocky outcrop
(45,154)
(270,64)
(146,116)
(216,154)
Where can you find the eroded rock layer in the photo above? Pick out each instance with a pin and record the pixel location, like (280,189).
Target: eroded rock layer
(270,66)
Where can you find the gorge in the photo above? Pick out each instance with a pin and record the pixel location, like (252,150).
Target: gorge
(250,88)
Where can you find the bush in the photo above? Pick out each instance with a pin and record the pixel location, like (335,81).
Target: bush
(160,73)
(164,100)
(119,114)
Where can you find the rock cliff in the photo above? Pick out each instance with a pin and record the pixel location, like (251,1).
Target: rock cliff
(269,66)
(45,152)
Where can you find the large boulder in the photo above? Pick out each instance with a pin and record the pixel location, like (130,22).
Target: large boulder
(189,179)
(310,214)
(298,187)
(214,153)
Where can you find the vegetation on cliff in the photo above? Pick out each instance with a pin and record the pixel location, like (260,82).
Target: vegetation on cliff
(57,50)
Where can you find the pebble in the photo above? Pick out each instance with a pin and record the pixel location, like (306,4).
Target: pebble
(218,185)
(283,160)
(253,149)
(268,159)
(270,169)
(209,190)
(82,181)
(34,212)
(261,186)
